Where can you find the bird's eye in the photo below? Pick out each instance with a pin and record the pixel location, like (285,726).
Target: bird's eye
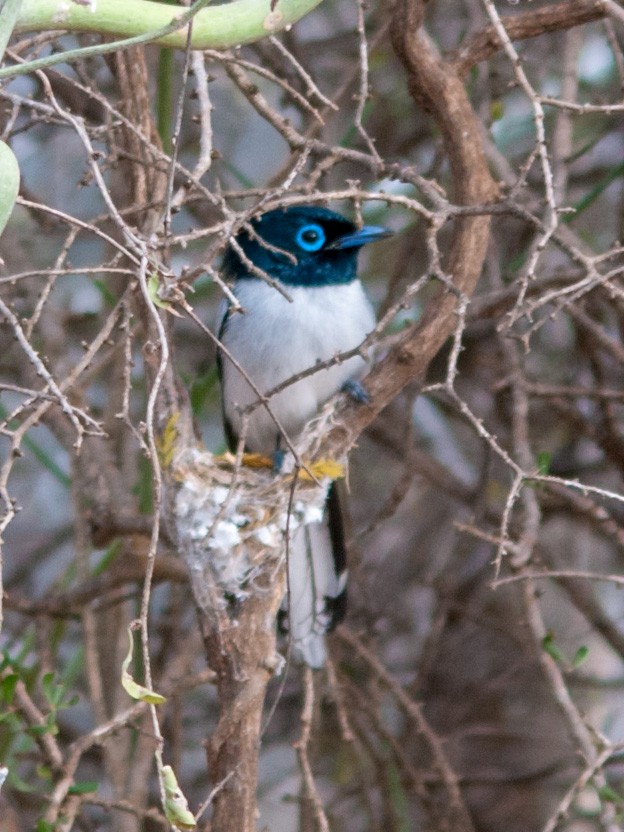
(310,237)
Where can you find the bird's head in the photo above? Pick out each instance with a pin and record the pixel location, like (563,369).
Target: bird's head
(301,246)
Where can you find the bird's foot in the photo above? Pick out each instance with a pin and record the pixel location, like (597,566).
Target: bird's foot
(353,388)
(321,469)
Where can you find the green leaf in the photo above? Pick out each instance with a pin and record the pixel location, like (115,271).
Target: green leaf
(45,773)
(131,687)
(548,643)
(8,18)
(71,672)
(544,460)
(48,687)
(55,693)
(41,730)
(108,297)
(610,795)
(7,688)
(83,787)
(109,557)
(20,785)
(9,183)
(176,806)
(497,110)
(579,657)
(153,285)
(595,192)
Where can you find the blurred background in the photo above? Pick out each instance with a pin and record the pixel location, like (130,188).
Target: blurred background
(492,612)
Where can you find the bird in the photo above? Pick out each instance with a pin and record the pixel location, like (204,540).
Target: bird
(310,252)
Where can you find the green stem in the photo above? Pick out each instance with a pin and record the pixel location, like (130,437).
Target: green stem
(164,100)
(9,11)
(147,35)
(217,27)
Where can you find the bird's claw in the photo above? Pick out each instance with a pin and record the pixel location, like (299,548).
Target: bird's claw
(354,389)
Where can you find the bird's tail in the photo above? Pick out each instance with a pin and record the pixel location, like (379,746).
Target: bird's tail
(317,583)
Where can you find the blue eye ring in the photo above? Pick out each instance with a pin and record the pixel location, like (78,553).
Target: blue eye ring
(310,237)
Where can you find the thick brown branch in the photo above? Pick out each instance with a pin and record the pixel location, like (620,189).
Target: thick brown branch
(242,654)
(438,90)
(530,24)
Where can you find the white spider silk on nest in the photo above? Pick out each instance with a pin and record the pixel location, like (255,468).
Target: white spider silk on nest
(236,524)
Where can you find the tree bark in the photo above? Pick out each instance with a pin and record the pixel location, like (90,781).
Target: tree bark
(436,88)
(243,655)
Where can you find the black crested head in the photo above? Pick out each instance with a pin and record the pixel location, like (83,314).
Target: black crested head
(301,246)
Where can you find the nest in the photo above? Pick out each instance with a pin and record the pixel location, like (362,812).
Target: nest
(235,519)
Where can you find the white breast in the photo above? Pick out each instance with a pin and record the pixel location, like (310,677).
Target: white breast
(274,340)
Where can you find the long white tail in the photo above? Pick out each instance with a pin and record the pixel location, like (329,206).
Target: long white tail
(317,584)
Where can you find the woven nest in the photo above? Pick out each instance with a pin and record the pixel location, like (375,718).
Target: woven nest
(235,518)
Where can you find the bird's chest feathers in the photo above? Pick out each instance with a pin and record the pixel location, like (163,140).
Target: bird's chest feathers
(275,338)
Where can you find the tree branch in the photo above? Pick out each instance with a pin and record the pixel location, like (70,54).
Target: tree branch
(437,88)
(484,44)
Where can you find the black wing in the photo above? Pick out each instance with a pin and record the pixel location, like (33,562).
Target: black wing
(230,435)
